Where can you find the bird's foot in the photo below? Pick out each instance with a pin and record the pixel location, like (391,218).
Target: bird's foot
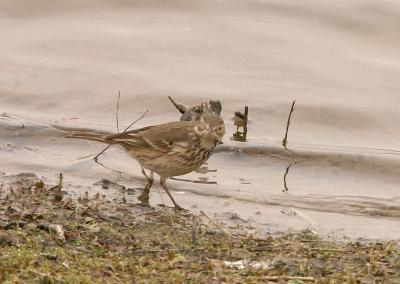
(144,199)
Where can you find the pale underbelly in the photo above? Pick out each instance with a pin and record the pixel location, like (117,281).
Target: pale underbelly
(173,164)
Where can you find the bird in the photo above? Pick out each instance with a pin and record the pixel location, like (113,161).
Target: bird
(169,149)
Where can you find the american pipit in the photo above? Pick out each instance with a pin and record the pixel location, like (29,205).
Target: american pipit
(170,149)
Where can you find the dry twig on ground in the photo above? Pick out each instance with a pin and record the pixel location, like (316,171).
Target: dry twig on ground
(214,223)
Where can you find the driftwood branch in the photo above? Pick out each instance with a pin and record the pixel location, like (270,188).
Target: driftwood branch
(285,139)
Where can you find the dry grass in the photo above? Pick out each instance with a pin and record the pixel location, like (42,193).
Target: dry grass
(103,242)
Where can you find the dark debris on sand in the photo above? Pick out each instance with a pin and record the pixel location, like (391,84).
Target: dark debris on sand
(48,237)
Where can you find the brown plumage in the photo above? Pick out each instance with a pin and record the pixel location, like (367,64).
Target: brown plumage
(169,149)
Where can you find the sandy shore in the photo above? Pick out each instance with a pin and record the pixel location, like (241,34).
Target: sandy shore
(47,236)
(63,63)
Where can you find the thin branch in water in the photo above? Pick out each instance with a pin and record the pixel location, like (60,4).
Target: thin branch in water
(285,139)
(285,175)
(194,181)
(140,118)
(97,156)
(117,113)
(126,129)
(108,168)
(246,119)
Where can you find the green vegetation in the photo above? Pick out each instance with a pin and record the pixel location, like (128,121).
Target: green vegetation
(49,238)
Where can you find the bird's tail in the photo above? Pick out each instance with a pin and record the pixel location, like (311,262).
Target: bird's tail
(89,136)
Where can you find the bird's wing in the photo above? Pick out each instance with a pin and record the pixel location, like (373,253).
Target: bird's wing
(162,137)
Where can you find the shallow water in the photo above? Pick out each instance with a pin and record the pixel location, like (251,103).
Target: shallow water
(63,63)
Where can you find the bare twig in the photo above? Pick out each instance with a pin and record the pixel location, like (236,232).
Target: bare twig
(194,181)
(99,154)
(126,129)
(246,114)
(108,146)
(130,125)
(214,223)
(284,141)
(285,175)
(117,114)
(104,166)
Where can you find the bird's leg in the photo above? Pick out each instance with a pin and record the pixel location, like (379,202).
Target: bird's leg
(144,197)
(162,183)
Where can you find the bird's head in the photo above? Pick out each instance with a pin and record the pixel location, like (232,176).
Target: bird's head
(214,126)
